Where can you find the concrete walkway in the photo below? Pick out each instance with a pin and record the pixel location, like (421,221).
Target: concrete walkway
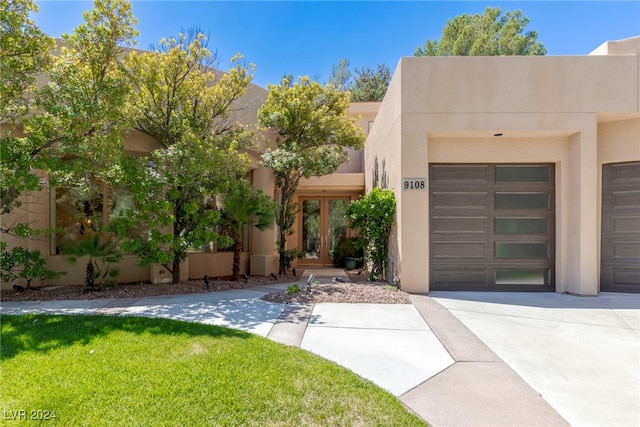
(453,358)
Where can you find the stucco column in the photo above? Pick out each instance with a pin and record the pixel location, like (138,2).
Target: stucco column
(413,212)
(582,271)
(263,260)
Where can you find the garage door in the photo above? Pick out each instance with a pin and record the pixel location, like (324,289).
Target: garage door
(620,242)
(492,226)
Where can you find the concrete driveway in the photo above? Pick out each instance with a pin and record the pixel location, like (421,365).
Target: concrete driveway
(582,354)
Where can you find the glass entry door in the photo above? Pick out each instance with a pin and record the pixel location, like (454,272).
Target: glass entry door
(323,224)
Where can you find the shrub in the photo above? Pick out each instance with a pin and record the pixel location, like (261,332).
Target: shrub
(293,289)
(289,256)
(21,263)
(373,216)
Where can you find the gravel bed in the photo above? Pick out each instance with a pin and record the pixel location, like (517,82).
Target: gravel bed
(354,293)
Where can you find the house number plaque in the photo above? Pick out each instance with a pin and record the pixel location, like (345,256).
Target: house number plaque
(414,183)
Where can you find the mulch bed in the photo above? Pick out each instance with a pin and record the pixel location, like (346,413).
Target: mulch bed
(142,289)
(357,289)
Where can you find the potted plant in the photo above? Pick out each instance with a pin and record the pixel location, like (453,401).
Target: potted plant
(345,253)
(350,263)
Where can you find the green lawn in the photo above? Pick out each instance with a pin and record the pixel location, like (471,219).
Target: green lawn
(121,371)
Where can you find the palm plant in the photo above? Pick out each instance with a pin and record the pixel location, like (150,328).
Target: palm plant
(101,250)
(244,205)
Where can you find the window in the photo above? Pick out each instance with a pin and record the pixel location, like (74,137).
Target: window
(522,201)
(522,250)
(521,225)
(523,173)
(77,210)
(508,276)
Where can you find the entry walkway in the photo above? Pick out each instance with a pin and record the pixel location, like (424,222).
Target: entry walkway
(453,358)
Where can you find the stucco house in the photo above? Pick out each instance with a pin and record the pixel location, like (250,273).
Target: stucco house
(510,173)
(513,173)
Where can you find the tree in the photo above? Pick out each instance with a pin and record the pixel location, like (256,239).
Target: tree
(313,128)
(488,34)
(185,106)
(244,205)
(370,85)
(367,84)
(73,133)
(24,52)
(341,77)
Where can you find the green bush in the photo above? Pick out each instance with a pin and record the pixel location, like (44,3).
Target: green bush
(289,256)
(21,263)
(293,289)
(373,216)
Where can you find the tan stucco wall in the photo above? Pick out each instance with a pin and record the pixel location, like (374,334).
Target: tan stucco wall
(628,46)
(215,264)
(363,113)
(618,140)
(263,259)
(547,108)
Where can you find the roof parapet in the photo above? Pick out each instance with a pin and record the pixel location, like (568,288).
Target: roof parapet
(629,46)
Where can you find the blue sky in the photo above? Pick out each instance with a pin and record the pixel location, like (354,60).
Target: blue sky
(308,37)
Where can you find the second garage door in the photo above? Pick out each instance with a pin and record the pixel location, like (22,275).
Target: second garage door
(620,254)
(492,226)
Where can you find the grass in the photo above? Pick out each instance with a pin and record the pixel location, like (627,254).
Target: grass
(129,371)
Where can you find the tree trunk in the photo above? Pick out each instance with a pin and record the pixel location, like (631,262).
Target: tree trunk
(237,250)
(282,223)
(177,231)
(281,251)
(88,280)
(175,271)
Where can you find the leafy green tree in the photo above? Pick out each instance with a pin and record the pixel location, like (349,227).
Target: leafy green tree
(185,106)
(341,76)
(24,52)
(373,216)
(366,85)
(244,205)
(488,34)
(313,131)
(73,133)
(370,85)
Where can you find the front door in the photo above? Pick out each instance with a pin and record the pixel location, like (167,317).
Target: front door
(323,224)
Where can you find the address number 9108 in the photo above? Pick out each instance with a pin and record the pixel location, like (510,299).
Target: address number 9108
(414,183)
